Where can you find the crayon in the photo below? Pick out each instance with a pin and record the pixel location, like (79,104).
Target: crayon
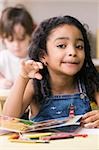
(28,141)
(39,135)
(55,137)
(20,138)
(14,136)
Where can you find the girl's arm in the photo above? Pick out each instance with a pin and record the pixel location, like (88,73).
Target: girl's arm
(22,91)
(19,98)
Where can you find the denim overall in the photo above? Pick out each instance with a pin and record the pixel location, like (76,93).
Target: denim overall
(58,106)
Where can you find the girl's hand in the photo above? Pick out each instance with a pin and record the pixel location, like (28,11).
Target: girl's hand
(91,119)
(30,69)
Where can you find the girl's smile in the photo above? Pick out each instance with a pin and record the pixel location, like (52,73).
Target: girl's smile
(71,64)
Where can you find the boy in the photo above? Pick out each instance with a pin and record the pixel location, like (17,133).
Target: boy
(16,27)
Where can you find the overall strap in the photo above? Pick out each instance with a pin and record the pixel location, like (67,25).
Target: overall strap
(82,89)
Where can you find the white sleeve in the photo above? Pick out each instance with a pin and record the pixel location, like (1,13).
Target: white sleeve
(3,60)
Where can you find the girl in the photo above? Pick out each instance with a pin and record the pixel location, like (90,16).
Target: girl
(16,27)
(64,76)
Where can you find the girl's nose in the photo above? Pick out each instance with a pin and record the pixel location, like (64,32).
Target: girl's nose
(72,51)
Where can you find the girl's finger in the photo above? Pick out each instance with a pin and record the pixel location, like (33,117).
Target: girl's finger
(91,113)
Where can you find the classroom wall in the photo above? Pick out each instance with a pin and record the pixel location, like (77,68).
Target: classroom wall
(87,11)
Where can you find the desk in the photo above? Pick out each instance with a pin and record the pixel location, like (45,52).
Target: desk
(3,95)
(78,143)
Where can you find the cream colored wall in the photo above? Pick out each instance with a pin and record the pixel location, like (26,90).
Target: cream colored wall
(97,52)
(85,10)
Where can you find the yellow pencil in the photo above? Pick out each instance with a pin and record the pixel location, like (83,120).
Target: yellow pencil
(28,141)
(38,135)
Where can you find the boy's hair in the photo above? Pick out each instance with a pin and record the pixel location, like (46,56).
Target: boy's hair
(88,73)
(13,15)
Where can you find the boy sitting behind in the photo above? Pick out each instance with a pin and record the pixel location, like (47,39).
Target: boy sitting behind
(16,27)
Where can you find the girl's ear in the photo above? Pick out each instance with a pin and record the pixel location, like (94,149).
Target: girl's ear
(43,57)
(43,60)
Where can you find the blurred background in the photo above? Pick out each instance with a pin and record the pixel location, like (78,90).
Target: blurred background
(87,11)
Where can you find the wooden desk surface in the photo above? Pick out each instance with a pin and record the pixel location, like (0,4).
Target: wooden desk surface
(3,95)
(4,92)
(78,143)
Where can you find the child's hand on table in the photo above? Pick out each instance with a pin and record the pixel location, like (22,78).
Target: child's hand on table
(91,119)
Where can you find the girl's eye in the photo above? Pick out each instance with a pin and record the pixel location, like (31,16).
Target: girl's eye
(61,46)
(81,47)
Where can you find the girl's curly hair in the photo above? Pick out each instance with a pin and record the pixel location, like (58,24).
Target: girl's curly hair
(88,73)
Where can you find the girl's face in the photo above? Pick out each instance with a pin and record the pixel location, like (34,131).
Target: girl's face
(18,42)
(65,51)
